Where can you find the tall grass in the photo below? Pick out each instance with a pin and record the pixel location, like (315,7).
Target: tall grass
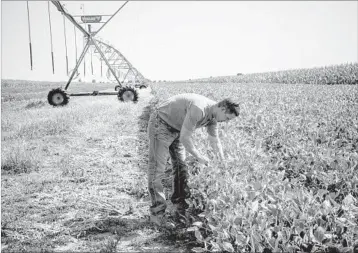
(63,167)
(18,159)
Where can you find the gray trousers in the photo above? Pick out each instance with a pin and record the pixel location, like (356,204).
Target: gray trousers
(164,142)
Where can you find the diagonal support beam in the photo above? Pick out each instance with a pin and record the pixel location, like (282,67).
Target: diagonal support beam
(85,49)
(69,17)
(104,58)
(110,19)
(121,55)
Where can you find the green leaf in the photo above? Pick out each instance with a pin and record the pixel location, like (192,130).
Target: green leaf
(198,235)
(251,195)
(238,221)
(257,186)
(258,119)
(299,224)
(198,224)
(192,229)
(349,200)
(215,247)
(228,247)
(197,249)
(212,227)
(270,198)
(255,206)
(202,215)
(319,234)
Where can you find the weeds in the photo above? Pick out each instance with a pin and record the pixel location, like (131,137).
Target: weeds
(110,246)
(35,104)
(18,160)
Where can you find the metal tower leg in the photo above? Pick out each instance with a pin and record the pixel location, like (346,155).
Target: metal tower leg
(78,63)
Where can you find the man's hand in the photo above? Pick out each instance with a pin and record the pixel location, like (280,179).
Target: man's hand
(203,160)
(217,148)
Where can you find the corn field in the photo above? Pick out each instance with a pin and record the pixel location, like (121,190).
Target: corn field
(336,74)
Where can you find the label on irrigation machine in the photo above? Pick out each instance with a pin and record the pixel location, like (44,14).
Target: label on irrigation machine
(91,19)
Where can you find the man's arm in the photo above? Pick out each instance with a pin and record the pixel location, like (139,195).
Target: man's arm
(186,134)
(214,140)
(186,139)
(215,144)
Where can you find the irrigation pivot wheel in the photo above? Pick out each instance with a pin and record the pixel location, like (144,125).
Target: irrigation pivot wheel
(58,97)
(127,94)
(117,87)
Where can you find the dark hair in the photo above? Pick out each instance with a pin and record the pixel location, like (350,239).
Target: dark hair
(230,106)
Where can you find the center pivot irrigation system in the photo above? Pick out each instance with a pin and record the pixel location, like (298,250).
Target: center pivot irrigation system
(117,64)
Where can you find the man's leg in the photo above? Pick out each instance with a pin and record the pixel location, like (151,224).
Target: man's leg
(180,184)
(159,141)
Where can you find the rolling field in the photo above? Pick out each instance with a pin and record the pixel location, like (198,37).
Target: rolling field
(290,182)
(74,177)
(329,75)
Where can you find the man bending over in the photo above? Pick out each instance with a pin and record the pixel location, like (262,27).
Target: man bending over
(170,131)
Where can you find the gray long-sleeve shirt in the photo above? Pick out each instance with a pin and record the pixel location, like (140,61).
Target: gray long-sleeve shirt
(189,110)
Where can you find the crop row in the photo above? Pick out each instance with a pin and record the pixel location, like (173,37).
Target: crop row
(289,182)
(337,74)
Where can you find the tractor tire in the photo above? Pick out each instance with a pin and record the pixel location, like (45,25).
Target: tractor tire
(126,94)
(117,87)
(142,87)
(58,97)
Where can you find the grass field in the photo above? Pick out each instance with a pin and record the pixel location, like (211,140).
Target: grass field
(74,177)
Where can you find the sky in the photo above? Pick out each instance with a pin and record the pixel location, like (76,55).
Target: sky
(181,40)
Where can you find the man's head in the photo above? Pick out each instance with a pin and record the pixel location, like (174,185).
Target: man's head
(226,110)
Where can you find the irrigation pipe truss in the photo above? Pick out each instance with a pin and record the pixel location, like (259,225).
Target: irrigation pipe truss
(114,59)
